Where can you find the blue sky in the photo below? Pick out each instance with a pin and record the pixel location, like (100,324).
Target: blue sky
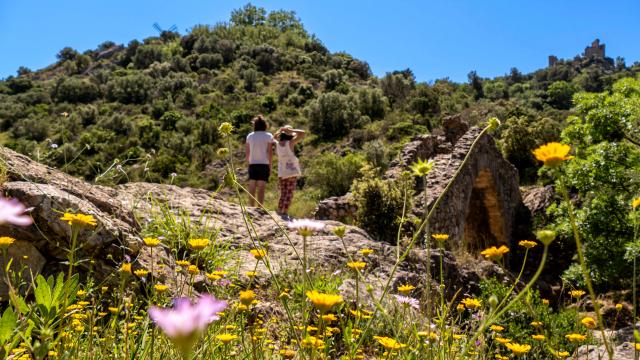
(434,39)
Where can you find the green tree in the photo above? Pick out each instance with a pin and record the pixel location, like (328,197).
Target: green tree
(559,95)
(333,115)
(67,54)
(605,174)
(397,86)
(249,15)
(475,82)
(284,20)
(425,101)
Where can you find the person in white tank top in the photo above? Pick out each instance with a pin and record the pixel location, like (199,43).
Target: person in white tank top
(288,166)
(259,155)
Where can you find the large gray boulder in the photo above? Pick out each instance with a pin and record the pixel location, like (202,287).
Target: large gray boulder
(122,212)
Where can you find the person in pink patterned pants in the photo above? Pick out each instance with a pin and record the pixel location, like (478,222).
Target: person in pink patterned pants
(288,166)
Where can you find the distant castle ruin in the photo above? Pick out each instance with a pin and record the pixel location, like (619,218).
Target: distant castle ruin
(596,50)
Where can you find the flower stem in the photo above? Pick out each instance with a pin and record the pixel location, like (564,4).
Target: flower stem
(72,250)
(585,271)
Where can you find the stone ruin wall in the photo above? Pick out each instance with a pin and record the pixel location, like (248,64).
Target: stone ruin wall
(483,206)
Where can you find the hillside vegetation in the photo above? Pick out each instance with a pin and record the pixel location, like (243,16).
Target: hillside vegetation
(150,111)
(151,108)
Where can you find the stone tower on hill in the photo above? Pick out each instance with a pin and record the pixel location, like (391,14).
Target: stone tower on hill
(596,50)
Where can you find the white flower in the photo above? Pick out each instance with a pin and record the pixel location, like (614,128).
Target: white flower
(305,227)
(408,301)
(54,146)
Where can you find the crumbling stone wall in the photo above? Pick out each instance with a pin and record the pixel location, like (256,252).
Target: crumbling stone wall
(335,208)
(483,206)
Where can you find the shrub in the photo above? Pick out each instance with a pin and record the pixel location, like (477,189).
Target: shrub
(250,78)
(520,135)
(333,115)
(209,61)
(75,90)
(380,204)
(332,78)
(333,174)
(169,120)
(266,58)
(30,129)
(148,133)
(360,68)
(226,83)
(376,154)
(147,55)
(397,86)
(67,53)
(404,129)
(559,95)
(129,89)
(495,90)
(19,84)
(269,103)
(372,103)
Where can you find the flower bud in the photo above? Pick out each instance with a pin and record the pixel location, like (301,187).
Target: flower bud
(225,129)
(340,231)
(493,123)
(546,236)
(222,152)
(493,301)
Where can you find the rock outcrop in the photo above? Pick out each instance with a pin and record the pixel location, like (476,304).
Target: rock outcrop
(123,211)
(483,206)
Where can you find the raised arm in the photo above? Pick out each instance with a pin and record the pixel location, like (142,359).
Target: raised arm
(297,134)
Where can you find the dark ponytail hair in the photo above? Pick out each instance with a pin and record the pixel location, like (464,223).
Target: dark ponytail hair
(285,137)
(259,123)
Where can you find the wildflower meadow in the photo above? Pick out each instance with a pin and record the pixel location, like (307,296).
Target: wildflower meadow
(71,315)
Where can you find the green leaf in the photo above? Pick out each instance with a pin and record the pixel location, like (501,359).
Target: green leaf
(57,290)
(42,292)
(8,323)
(18,302)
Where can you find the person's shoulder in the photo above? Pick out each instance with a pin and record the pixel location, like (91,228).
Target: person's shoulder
(251,135)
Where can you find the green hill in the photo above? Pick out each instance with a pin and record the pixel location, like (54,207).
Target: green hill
(150,109)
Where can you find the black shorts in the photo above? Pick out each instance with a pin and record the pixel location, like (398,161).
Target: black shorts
(259,172)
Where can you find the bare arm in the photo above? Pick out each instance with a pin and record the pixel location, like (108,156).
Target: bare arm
(297,136)
(247,151)
(270,154)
